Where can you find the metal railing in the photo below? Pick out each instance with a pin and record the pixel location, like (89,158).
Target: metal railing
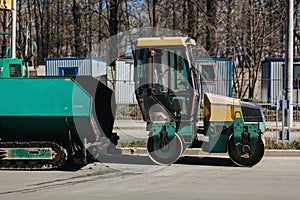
(131,111)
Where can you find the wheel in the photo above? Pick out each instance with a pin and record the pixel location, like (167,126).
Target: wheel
(164,153)
(252,160)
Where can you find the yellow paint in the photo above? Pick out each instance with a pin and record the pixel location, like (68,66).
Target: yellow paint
(238,115)
(5,5)
(219,108)
(164,41)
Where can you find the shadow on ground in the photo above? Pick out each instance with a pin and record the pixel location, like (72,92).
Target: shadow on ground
(127,159)
(206,161)
(186,160)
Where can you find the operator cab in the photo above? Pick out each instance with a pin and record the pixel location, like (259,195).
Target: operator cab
(166,86)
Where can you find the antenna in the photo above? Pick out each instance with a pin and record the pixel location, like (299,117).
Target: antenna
(14,28)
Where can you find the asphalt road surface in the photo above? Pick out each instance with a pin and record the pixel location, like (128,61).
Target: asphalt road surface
(136,177)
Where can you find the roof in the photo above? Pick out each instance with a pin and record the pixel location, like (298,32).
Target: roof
(278,60)
(165,41)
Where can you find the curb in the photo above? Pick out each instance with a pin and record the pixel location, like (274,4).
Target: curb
(282,153)
(199,152)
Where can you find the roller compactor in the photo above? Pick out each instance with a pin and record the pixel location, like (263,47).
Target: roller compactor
(168,93)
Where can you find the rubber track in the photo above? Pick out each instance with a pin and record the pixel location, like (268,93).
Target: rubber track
(58,160)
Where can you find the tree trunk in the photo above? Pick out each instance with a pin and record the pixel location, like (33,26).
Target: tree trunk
(113,17)
(76,12)
(155,13)
(211,10)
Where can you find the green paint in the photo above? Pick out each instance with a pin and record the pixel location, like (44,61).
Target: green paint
(218,133)
(50,97)
(186,130)
(164,147)
(252,129)
(38,107)
(29,153)
(170,128)
(9,64)
(157,128)
(262,126)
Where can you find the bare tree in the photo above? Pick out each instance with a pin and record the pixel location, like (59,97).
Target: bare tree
(246,31)
(211,26)
(251,46)
(77,14)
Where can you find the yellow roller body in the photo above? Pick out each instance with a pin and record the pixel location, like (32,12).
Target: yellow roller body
(219,108)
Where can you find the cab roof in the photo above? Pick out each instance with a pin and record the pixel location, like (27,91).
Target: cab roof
(164,41)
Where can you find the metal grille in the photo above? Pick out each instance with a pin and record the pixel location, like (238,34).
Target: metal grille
(15,70)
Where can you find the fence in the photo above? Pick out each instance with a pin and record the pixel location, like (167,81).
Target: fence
(267,92)
(269,107)
(218,79)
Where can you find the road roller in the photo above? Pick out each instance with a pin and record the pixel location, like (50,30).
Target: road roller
(53,122)
(169,95)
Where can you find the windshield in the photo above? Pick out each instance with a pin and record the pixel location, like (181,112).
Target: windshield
(168,70)
(163,77)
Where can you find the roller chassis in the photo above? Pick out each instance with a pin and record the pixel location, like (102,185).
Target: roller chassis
(243,153)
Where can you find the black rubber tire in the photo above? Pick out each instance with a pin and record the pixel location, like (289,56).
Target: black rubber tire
(246,162)
(166,156)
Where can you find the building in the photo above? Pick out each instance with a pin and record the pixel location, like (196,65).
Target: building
(76,67)
(273,77)
(125,86)
(216,75)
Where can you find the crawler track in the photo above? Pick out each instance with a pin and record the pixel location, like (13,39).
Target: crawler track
(59,156)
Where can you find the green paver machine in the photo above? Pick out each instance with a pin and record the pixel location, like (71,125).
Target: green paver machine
(168,95)
(50,122)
